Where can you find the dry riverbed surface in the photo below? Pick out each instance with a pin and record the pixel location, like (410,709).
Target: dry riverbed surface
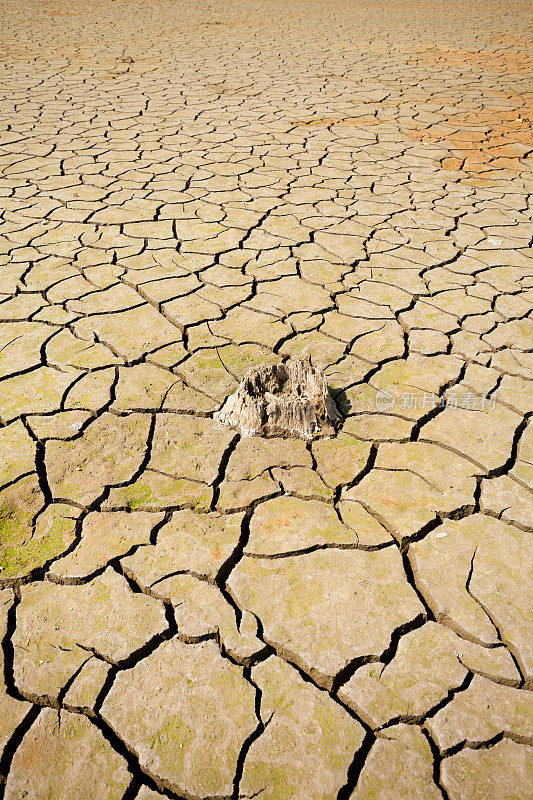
(191,189)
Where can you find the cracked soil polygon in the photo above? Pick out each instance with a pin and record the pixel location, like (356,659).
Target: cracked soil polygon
(190,191)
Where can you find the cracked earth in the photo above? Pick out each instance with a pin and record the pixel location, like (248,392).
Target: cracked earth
(189,190)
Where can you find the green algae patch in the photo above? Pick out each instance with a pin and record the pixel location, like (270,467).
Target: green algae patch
(153,491)
(25,546)
(17,453)
(171,743)
(137,496)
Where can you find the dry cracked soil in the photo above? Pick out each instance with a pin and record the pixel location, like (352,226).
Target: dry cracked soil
(190,189)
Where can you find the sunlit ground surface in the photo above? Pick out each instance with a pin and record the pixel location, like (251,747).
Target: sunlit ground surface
(190,189)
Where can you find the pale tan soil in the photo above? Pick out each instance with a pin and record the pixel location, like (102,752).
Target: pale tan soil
(189,189)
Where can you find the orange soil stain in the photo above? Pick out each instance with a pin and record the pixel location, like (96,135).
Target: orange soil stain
(498,61)
(487,139)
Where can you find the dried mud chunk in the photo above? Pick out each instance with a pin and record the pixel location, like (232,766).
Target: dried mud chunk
(516,334)
(483,434)
(61,425)
(288,295)
(148,387)
(186,712)
(429,663)
(156,492)
(282,399)
(188,447)
(287,524)
(20,344)
(472,573)
(130,333)
(65,756)
(92,391)
(427,342)
(242,325)
(371,533)
(66,351)
(341,459)
(401,758)
(33,546)
(12,711)
(323,609)
(149,794)
(83,692)
(515,392)
(411,483)
(21,547)
(501,772)
(212,370)
(109,453)
(509,500)
(302,482)
(407,389)
(248,475)
(201,610)
(39,391)
(104,536)
(17,453)
(308,743)
(115,298)
(482,712)
(189,542)
(59,627)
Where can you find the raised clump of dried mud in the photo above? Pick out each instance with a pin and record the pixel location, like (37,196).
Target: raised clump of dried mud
(289,399)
